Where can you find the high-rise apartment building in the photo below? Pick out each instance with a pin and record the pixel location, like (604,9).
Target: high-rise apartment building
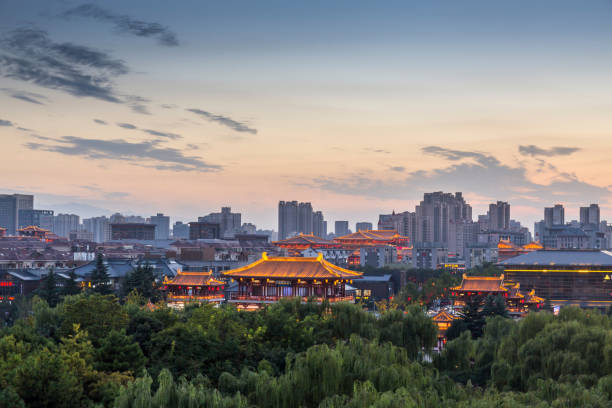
(305,218)
(554,215)
(10,205)
(180,230)
(287,219)
(499,216)
(404,223)
(38,218)
(229,222)
(590,215)
(341,228)
(319,225)
(295,218)
(99,227)
(162,225)
(435,213)
(363,226)
(63,224)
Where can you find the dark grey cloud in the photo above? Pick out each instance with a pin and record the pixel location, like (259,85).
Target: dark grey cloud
(126,125)
(100,121)
(470,171)
(29,55)
(168,135)
(138,153)
(5,122)
(30,97)
(534,151)
(399,169)
(126,24)
(224,120)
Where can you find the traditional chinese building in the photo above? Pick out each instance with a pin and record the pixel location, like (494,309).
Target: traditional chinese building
(193,287)
(506,249)
(272,278)
(33,231)
(372,238)
(443,321)
(300,242)
(2,232)
(480,287)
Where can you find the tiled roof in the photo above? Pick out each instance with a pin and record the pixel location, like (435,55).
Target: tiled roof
(194,279)
(304,239)
(443,316)
(482,284)
(377,235)
(292,268)
(560,257)
(371,278)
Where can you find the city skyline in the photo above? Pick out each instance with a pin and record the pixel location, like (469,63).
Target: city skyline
(208,107)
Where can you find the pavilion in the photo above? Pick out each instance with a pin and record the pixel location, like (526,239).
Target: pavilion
(188,287)
(372,238)
(272,278)
(480,287)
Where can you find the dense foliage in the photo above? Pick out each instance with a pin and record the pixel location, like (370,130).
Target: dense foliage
(91,350)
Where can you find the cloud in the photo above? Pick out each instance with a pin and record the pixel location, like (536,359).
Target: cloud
(375,150)
(397,168)
(126,24)
(5,122)
(470,171)
(30,97)
(532,150)
(30,56)
(151,132)
(224,120)
(100,122)
(168,135)
(137,103)
(138,153)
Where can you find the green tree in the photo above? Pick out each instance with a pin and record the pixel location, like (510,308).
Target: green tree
(71,287)
(119,352)
(48,289)
(472,317)
(494,306)
(97,314)
(100,280)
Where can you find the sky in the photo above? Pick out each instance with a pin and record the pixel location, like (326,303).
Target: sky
(359,107)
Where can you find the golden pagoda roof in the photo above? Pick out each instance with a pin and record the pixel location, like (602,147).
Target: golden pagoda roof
(304,239)
(292,268)
(33,228)
(193,279)
(482,284)
(371,235)
(443,316)
(533,246)
(504,244)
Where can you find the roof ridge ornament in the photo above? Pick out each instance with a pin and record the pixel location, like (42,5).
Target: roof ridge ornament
(320,256)
(264,256)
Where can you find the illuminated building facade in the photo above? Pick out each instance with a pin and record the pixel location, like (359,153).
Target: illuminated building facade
(272,278)
(518,303)
(582,278)
(193,287)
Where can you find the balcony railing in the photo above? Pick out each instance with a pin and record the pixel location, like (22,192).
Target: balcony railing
(187,298)
(236,297)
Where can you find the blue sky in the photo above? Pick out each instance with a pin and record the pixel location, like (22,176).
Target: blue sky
(357,106)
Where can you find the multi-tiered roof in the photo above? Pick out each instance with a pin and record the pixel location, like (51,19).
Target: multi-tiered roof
(292,268)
